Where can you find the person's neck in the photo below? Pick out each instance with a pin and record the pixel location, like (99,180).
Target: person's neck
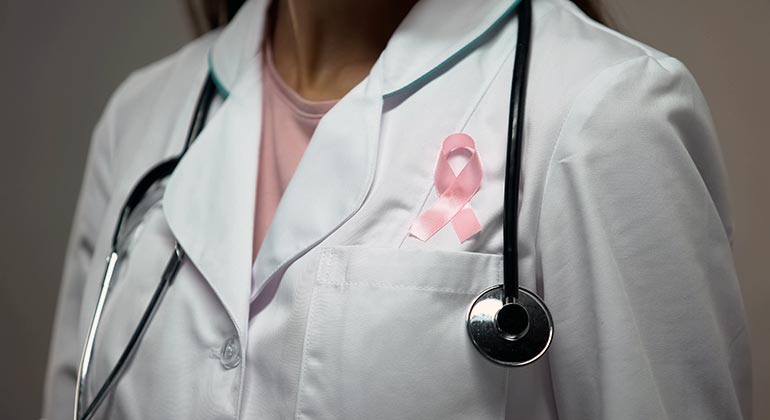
(322,49)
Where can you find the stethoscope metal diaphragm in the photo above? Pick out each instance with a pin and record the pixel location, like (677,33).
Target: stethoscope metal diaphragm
(512,334)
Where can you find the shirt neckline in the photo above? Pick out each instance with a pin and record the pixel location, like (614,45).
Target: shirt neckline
(304,107)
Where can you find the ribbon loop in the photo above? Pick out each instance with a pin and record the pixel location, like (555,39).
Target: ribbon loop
(455,191)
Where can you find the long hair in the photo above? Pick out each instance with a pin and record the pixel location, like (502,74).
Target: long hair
(206,15)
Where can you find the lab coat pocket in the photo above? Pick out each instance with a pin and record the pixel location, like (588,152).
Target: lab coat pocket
(386,337)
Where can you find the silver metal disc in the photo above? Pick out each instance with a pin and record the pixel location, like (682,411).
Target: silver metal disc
(504,348)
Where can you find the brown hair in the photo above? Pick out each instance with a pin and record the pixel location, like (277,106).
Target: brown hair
(206,15)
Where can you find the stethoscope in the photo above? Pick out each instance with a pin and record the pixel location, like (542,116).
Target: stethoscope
(508,324)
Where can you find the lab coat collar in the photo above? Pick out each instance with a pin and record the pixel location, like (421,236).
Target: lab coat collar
(431,37)
(209,198)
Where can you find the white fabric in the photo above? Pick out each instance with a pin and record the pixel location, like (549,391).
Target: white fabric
(625,231)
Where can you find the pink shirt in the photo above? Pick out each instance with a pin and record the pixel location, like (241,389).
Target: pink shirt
(288,122)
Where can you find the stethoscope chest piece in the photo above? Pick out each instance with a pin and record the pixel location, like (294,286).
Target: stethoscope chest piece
(511,334)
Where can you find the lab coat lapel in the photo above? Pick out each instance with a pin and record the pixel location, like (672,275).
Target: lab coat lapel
(209,199)
(330,182)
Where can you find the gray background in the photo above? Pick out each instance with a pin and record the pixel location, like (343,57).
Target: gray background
(61,60)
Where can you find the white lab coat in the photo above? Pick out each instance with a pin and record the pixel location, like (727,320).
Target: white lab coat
(625,231)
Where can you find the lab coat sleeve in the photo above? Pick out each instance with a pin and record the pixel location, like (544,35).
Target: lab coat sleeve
(66,343)
(635,238)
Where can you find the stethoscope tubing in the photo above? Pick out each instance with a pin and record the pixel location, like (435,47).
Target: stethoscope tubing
(160,171)
(169,273)
(85,358)
(513,160)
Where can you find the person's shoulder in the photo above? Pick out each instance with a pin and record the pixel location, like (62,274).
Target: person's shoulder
(592,63)
(169,77)
(577,37)
(622,107)
(600,60)
(583,71)
(141,113)
(585,52)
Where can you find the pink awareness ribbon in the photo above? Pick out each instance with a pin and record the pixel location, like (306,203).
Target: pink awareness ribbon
(455,191)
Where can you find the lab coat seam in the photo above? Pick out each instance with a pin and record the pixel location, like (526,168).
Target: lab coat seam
(241,376)
(725,212)
(306,342)
(579,14)
(743,331)
(635,324)
(324,269)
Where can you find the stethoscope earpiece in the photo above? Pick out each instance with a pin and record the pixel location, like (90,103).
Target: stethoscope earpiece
(511,334)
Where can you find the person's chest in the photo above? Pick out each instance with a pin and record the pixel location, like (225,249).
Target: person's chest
(355,314)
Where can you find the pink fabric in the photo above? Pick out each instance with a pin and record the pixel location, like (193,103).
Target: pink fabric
(288,122)
(455,191)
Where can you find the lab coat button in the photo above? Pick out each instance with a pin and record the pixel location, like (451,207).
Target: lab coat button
(230,355)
